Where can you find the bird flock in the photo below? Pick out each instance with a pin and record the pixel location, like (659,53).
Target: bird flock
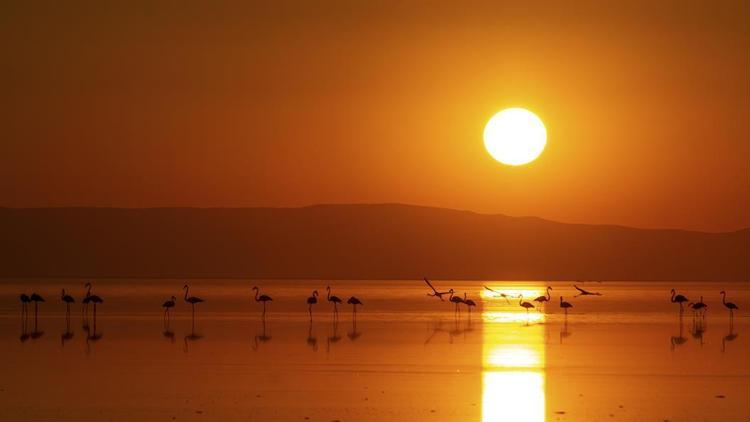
(699,307)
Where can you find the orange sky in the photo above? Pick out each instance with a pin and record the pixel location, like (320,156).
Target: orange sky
(292,103)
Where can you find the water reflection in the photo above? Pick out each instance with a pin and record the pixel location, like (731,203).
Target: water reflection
(67,335)
(564,333)
(680,339)
(263,337)
(513,377)
(192,337)
(312,340)
(729,337)
(92,337)
(354,334)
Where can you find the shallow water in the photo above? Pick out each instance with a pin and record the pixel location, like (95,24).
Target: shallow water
(625,355)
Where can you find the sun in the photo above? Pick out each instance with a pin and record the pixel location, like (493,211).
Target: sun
(515,136)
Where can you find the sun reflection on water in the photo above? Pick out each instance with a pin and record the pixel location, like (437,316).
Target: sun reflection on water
(513,358)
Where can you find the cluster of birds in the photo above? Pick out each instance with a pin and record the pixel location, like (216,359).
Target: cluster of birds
(699,308)
(264,299)
(65,298)
(541,300)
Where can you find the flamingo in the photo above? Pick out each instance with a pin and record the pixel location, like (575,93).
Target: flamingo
(36,299)
(469,303)
(168,305)
(95,300)
(335,299)
(501,294)
(729,305)
(192,300)
(565,305)
(85,302)
(354,302)
(584,292)
(542,299)
(262,298)
(678,299)
(524,304)
(312,300)
(698,307)
(25,300)
(455,299)
(68,299)
(435,293)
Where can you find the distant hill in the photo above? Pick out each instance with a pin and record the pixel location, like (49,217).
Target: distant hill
(352,241)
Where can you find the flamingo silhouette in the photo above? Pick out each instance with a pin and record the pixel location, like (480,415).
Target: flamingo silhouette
(36,299)
(68,299)
(435,292)
(262,298)
(354,302)
(312,300)
(85,302)
(543,299)
(729,305)
(95,300)
(501,294)
(456,300)
(565,305)
(698,308)
(699,327)
(192,300)
(25,300)
(524,304)
(335,299)
(678,299)
(584,292)
(469,303)
(168,305)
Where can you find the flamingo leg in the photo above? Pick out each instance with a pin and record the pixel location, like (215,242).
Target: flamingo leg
(309,309)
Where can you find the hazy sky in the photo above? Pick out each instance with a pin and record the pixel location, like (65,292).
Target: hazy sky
(287,103)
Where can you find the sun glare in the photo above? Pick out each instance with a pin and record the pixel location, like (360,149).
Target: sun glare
(515,136)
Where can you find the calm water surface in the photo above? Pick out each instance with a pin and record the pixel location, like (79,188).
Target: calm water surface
(625,355)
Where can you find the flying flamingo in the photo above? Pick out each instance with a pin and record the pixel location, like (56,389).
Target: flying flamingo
(262,298)
(584,292)
(68,299)
(524,304)
(354,302)
(168,305)
(501,294)
(335,299)
(678,299)
(36,299)
(729,305)
(25,300)
(312,300)
(542,299)
(457,300)
(469,303)
(435,293)
(192,300)
(565,305)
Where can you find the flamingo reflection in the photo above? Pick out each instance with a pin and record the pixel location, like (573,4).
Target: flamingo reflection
(333,338)
(263,337)
(354,334)
(729,337)
(312,340)
(680,339)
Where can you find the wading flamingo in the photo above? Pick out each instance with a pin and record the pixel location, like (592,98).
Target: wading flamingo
(192,300)
(565,305)
(678,299)
(729,305)
(524,304)
(168,305)
(469,303)
(312,300)
(335,300)
(25,300)
(36,299)
(354,302)
(262,298)
(68,299)
(457,300)
(543,299)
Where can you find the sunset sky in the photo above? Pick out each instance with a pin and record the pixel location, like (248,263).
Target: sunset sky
(290,103)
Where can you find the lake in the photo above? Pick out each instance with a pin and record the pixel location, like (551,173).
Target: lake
(628,354)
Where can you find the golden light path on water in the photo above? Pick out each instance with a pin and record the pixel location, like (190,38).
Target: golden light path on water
(512,357)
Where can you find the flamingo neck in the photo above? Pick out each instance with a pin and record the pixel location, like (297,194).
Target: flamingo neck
(257,292)
(548,295)
(672,299)
(723,298)
(187,289)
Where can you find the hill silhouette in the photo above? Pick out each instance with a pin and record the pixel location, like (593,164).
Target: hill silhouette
(384,241)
